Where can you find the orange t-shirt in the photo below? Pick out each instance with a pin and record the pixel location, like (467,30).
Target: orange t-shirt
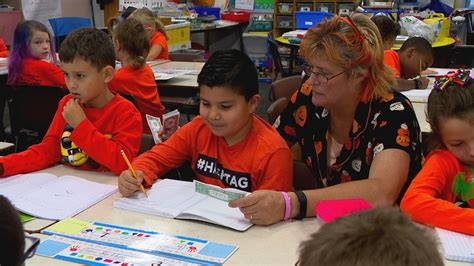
(262,160)
(431,196)
(140,83)
(392,60)
(41,73)
(3,49)
(160,39)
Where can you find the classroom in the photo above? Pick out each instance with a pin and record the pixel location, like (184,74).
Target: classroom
(236,132)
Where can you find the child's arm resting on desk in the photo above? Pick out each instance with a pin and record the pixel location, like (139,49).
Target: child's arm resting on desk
(424,200)
(105,149)
(38,156)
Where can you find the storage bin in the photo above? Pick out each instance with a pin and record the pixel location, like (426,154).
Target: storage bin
(207,11)
(305,7)
(261,24)
(285,21)
(285,8)
(325,7)
(179,36)
(442,24)
(241,16)
(306,20)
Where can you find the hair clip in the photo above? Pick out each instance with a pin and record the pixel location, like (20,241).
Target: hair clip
(460,77)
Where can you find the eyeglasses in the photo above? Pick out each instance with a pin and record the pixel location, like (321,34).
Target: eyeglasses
(31,243)
(323,79)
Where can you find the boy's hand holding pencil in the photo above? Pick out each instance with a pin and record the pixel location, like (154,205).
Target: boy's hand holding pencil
(130,180)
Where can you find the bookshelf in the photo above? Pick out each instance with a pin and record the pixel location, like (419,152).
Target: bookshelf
(284,11)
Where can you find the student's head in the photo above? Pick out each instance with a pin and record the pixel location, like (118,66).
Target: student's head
(131,41)
(88,60)
(450,113)
(388,29)
(375,237)
(12,237)
(30,40)
(346,56)
(150,22)
(228,85)
(416,53)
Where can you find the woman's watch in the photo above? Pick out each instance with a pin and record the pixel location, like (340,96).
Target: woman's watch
(418,84)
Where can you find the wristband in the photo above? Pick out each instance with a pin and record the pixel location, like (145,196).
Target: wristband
(287,206)
(303,204)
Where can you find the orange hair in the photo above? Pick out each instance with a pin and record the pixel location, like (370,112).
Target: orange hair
(353,43)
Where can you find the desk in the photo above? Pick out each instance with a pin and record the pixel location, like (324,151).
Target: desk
(259,245)
(221,25)
(442,43)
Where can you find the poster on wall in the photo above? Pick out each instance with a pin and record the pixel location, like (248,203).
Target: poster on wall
(41,10)
(244,4)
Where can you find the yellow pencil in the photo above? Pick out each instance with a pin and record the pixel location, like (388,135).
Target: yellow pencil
(132,170)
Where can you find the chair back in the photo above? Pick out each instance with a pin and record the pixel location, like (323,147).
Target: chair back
(32,107)
(64,25)
(284,87)
(276,108)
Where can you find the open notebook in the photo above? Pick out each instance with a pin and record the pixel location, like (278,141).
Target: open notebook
(50,197)
(177,199)
(456,246)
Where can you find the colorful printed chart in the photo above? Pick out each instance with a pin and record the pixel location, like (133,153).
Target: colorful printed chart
(70,249)
(177,247)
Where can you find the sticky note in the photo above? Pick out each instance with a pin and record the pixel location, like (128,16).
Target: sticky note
(69,226)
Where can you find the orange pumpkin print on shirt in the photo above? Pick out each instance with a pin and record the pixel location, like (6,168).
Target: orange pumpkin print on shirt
(300,115)
(306,89)
(294,96)
(318,146)
(403,138)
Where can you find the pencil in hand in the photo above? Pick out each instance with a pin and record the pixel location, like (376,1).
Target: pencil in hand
(133,171)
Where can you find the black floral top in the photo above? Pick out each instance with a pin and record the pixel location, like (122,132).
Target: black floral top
(388,123)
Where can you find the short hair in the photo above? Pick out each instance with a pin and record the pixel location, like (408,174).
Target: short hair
(353,43)
(420,44)
(231,69)
(12,246)
(381,236)
(388,28)
(91,45)
(453,101)
(134,39)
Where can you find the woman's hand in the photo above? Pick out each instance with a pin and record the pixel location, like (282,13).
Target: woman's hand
(262,207)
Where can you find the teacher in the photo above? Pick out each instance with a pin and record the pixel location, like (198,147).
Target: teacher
(360,138)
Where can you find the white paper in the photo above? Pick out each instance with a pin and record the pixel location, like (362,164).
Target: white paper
(55,198)
(456,246)
(41,10)
(173,198)
(244,4)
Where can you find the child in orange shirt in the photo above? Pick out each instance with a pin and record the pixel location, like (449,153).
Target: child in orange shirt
(415,55)
(91,125)
(33,58)
(135,77)
(228,145)
(156,31)
(442,194)
(3,49)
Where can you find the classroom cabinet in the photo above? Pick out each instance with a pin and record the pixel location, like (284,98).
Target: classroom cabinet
(284,11)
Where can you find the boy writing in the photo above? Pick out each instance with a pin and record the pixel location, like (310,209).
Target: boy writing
(415,56)
(381,236)
(91,125)
(227,144)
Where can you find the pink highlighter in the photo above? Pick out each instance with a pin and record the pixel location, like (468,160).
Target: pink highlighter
(328,210)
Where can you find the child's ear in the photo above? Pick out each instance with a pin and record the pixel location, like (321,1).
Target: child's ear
(117,44)
(410,52)
(109,72)
(253,102)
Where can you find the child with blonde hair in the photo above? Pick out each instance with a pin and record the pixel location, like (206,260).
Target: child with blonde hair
(442,194)
(135,77)
(157,32)
(32,59)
